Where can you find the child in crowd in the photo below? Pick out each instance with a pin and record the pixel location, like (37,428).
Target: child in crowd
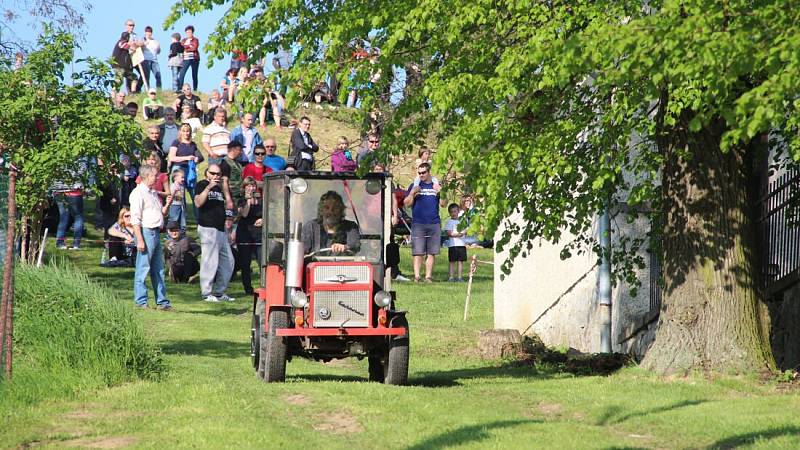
(175,61)
(456,249)
(214,102)
(342,159)
(177,211)
(181,253)
(127,180)
(424,157)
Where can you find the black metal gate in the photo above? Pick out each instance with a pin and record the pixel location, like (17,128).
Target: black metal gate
(779,225)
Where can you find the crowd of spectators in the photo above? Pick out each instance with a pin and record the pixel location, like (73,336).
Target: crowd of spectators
(153,189)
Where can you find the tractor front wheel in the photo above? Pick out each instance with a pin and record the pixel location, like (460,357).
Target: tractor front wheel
(396,368)
(274,347)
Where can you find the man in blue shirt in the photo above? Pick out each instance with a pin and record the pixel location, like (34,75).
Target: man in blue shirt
(247,134)
(271,160)
(426,227)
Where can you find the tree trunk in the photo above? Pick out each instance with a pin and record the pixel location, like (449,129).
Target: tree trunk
(711,314)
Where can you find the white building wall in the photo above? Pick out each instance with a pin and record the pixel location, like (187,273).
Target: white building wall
(557,300)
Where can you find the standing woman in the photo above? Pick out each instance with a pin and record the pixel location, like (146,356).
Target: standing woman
(248,231)
(191,56)
(184,153)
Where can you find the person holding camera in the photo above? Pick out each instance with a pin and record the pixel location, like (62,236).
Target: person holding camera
(248,233)
(216,265)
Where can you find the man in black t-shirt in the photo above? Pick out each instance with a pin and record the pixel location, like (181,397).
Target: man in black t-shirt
(217,262)
(194,102)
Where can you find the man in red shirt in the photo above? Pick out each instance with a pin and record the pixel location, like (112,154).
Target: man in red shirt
(257,169)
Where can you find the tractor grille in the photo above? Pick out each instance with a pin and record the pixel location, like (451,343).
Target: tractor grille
(332,275)
(342,305)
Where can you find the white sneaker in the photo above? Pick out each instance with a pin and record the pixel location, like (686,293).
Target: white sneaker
(211,298)
(225,298)
(401,278)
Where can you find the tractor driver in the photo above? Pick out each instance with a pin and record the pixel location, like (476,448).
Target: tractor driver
(330,229)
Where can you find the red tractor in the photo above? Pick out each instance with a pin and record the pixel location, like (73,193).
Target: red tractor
(325,285)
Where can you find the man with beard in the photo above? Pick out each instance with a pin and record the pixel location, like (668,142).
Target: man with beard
(330,229)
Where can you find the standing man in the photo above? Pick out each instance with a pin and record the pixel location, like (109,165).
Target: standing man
(147,218)
(426,227)
(151,50)
(257,169)
(247,134)
(216,138)
(366,155)
(216,265)
(271,160)
(303,147)
(169,129)
(232,174)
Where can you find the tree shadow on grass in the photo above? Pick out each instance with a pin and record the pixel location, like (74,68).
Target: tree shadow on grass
(467,434)
(743,439)
(226,310)
(214,348)
(609,416)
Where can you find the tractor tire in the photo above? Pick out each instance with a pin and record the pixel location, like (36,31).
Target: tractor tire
(396,368)
(274,348)
(255,341)
(376,369)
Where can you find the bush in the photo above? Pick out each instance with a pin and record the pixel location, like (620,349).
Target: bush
(71,334)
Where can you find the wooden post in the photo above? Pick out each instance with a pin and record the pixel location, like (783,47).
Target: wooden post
(8,275)
(473,266)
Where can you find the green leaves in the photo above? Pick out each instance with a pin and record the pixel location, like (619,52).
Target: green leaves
(47,125)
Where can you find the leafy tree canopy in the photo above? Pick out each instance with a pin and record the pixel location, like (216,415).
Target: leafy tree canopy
(46,125)
(543,106)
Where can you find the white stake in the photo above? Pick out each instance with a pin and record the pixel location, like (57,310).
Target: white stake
(473,265)
(41,248)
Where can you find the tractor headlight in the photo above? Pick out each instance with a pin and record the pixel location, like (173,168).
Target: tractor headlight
(299,299)
(383,299)
(298,185)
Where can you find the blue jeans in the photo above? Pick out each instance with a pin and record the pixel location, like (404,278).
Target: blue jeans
(187,63)
(152,67)
(177,214)
(176,76)
(150,262)
(69,206)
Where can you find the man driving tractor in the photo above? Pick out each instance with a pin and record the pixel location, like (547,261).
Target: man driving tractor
(330,229)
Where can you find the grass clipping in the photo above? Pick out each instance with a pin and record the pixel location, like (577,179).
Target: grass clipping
(72,334)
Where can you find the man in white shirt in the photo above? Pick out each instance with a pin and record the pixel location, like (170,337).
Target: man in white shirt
(216,137)
(151,50)
(147,218)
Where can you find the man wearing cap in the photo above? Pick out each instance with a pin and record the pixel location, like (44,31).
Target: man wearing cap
(152,108)
(181,253)
(232,174)
(217,261)
(147,218)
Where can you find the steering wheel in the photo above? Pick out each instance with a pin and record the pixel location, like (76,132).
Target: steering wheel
(347,252)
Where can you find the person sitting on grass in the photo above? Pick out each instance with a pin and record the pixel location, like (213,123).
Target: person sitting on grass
(456,249)
(122,241)
(152,108)
(181,253)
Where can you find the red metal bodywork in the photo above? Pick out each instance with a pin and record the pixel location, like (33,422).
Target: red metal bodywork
(274,296)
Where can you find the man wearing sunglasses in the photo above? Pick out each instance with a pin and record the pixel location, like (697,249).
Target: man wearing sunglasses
(216,265)
(367,155)
(426,227)
(258,168)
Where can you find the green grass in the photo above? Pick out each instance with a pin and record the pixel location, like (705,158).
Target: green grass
(72,335)
(210,397)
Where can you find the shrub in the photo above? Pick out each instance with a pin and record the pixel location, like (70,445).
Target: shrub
(72,334)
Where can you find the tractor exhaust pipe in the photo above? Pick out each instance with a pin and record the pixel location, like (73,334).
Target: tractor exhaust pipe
(294,258)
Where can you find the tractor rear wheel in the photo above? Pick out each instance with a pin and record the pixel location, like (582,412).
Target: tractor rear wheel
(274,347)
(396,368)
